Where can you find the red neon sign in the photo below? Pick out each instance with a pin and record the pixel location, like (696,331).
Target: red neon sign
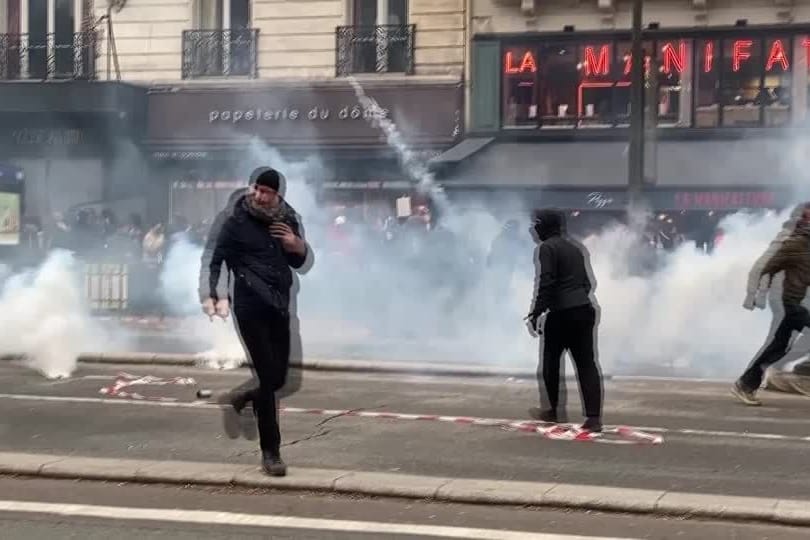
(600,66)
(708,57)
(742,51)
(724,200)
(628,63)
(777,56)
(673,59)
(527,64)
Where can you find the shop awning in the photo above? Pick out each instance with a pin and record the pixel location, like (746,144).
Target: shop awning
(708,164)
(543,164)
(462,150)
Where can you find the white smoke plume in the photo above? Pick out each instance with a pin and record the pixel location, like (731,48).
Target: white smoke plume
(685,317)
(44,317)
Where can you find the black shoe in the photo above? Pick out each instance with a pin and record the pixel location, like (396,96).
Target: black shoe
(592,424)
(273,465)
(540,415)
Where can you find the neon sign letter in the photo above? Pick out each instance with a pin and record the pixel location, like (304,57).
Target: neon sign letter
(527,64)
(777,56)
(594,66)
(672,59)
(708,57)
(741,52)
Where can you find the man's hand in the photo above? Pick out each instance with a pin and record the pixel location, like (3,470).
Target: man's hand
(291,242)
(223,308)
(209,308)
(533,324)
(748,303)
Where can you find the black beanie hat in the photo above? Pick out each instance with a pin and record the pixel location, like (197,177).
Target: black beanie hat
(267,178)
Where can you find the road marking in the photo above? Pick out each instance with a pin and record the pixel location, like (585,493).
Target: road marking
(199,404)
(276,522)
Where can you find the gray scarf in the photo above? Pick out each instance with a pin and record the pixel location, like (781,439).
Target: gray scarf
(282,213)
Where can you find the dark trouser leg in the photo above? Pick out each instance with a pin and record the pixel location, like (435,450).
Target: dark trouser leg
(553,347)
(795,319)
(268,344)
(581,325)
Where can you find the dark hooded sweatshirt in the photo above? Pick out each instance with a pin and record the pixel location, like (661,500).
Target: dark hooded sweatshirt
(564,282)
(793,257)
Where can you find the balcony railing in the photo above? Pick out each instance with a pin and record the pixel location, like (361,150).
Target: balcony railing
(375,49)
(220,53)
(48,56)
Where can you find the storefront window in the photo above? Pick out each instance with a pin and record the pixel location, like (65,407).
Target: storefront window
(595,93)
(520,69)
(736,81)
(558,83)
(674,65)
(707,84)
(741,82)
(801,69)
(778,88)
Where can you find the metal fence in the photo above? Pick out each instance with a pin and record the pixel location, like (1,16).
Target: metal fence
(123,288)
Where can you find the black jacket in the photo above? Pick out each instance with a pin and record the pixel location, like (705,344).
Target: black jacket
(258,263)
(204,289)
(564,281)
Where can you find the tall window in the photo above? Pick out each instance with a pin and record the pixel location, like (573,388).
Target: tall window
(559,78)
(801,80)
(46,31)
(674,64)
(520,87)
(707,83)
(380,37)
(777,92)
(741,89)
(598,70)
(223,42)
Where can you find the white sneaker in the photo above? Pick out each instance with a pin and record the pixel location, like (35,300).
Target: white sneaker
(744,395)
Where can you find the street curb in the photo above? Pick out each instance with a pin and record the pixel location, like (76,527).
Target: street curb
(310,364)
(480,491)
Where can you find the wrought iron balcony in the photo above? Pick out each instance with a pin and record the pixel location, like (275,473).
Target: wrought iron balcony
(220,53)
(375,49)
(48,56)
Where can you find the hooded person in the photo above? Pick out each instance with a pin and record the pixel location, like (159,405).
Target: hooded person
(791,257)
(563,294)
(260,241)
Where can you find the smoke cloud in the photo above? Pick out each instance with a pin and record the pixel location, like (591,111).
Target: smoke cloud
(44,316)
(442,302)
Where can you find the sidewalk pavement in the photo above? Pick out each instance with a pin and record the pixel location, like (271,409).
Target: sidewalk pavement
(535,494)
(314,364)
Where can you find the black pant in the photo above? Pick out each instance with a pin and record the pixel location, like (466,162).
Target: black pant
(573,330)
(267,345)
(795,320)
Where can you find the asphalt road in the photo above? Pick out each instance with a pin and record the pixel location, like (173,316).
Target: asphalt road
(118,501)
(711,443)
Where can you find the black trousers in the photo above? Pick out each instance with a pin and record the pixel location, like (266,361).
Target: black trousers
(796,319)
(573,330)
(267,344)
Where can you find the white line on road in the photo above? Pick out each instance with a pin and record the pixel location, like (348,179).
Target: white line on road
(207,405)
(275,522)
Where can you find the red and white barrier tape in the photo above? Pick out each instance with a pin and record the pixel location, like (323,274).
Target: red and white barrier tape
(125,380)
(558,432)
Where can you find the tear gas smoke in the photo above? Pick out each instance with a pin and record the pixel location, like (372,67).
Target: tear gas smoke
(443,302)
(687,315)
(44,317)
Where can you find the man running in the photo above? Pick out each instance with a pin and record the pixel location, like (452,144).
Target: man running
(260,241)
(792,258)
